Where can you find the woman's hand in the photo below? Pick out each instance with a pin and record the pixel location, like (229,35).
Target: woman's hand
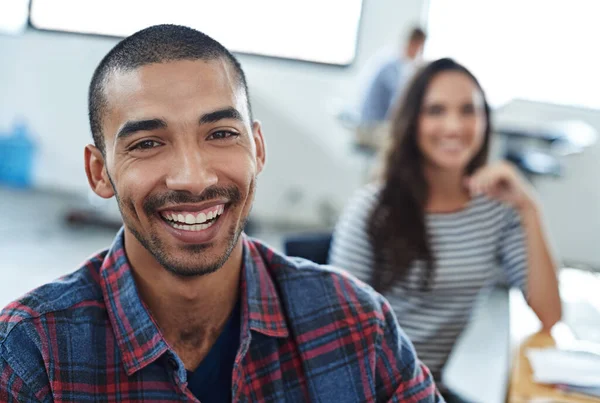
(502,182)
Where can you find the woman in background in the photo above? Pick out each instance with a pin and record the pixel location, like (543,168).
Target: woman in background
(432,233)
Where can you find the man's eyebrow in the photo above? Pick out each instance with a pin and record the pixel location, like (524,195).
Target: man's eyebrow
(220,114)
(134,126)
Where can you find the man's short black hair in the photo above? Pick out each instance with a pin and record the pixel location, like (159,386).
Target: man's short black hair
(156,44)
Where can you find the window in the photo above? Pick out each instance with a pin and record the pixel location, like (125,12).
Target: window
(311,30)
(13,16)
(530,49)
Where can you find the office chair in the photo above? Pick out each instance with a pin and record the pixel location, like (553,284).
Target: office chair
(313,247)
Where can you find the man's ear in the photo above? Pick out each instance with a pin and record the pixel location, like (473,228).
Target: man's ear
(261,151)
(95,168)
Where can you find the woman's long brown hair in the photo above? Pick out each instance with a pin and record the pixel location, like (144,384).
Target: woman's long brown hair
(397,229)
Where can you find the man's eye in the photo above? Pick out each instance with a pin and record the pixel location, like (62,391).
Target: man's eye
(145,145)
(222,135)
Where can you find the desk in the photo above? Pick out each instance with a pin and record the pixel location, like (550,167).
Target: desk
(524,333)
(523,389)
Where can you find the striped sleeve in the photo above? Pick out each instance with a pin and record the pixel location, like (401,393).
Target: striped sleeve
(513,251)
(12,387)
(351,249)
(400,376)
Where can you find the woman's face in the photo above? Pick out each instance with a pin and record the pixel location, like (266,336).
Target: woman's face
(452,122)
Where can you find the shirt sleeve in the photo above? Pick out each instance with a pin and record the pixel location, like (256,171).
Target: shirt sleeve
(377,98)
(12,386)
(513,251)
(351,248)
(400,375)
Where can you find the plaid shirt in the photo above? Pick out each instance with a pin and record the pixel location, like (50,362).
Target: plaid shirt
(309,333)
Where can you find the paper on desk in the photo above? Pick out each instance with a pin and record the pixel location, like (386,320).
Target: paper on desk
(556,366)
(595,392)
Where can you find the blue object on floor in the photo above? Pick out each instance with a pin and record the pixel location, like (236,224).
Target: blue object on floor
(17,151)
(313,247)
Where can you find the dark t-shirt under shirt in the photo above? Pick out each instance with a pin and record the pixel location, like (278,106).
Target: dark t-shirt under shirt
(211,381)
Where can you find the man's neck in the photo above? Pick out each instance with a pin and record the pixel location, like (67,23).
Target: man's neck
(190,311)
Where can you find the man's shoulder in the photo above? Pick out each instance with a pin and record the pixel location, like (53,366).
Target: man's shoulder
(60,296)
(337,321)
(306,286)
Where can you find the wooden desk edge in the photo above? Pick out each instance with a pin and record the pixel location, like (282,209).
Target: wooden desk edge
(522,388)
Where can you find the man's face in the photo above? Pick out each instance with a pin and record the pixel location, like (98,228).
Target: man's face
(181,158)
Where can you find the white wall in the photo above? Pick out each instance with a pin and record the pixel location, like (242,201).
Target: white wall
(44,78)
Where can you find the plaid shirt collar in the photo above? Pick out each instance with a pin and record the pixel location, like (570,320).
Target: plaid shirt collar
(139,338)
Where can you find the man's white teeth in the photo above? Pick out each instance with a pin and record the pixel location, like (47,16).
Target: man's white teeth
(190,219)
(196,227)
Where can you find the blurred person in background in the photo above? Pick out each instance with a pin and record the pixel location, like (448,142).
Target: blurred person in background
(383,90)
(431,233)
(390,78)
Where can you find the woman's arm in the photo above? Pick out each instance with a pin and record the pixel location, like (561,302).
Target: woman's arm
(542,283)
(501,181)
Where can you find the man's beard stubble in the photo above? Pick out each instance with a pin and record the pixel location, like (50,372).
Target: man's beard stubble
(155,246)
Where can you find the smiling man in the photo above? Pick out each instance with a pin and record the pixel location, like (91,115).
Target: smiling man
(183,306)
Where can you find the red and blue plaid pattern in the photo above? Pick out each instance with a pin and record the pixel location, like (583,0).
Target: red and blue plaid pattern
(309,333)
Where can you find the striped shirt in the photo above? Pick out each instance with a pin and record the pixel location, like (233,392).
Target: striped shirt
(308,333)
(473,248)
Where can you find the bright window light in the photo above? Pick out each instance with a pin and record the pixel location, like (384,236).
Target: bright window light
(13,16)
(537,50)
(323,31)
